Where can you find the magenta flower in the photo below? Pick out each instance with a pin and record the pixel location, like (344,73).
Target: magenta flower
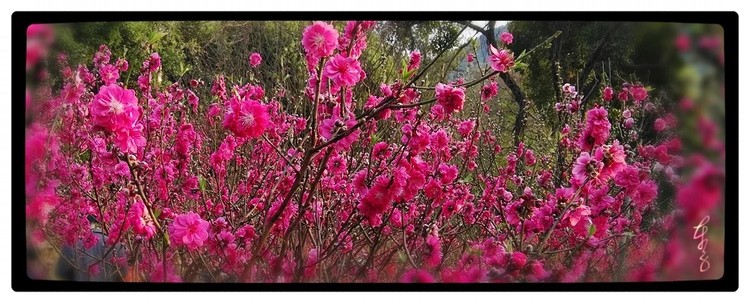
(506,37)
(129,139)
(469,58)
(137,219)
(536,272)
(613,158)
(344,71)
(114,108)
(416,275)
(702,192)
(597,129)
(154,62)
(247,118)
(320,39)
(518,259)
(639,93)
(109,74)
(465,128)
(501,60)
(448,173)
(682,42)
(489,90)
(575,216)
(586,166)
(376,200)
(122,65)
(327,128)
(644,193)
(433,254)
(623,95)
(629,177)
(415,59)
(254,59)
(629,122)
(608,93)
(189,230)
(660,124)
(451,98)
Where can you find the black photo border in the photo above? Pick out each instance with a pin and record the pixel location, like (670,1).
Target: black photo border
(21,20)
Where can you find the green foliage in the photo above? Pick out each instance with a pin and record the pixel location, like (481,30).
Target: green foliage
(134,41)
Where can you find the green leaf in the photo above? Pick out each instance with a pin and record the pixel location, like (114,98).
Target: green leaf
(157,213)
(520,66)
(156,36)
(85,156)
(523,54)
(202,183)
(409,74)
(592,229)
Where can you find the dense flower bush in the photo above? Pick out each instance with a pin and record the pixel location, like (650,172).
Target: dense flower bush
(219,182)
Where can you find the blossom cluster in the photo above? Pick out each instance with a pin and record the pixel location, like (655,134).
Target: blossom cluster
(220,183)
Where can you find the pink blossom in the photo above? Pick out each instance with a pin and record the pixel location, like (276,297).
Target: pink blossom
(337,164)
(518,259)
(122,65)
(376,200)
(612,157)
(415,58)
(254,59)
(586,166)
(189,230)
(433,254)
(144,82)
(109,74)
(682,42)
(629,122)
(469,58)
(40,31)
(529,157)
(579,213)
(448,173)
(489,90)
(247,118)
(344,71)
(451,98)
(639,93)
(501,60)
(114,108)
(506,37)
(702,192)
(320,39)
(219,88)
(138,220)
(607,94)
(536,272)
(623,95)
(597,129)
(466,127)
(644,193)
(628,177)
(416,275)
(660,125)
(129,139)
(154,62)
(439,139)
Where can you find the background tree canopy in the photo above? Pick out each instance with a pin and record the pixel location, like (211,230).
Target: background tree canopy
(589,55)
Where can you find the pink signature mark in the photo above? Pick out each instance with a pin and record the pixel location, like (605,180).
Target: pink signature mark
(700,234)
